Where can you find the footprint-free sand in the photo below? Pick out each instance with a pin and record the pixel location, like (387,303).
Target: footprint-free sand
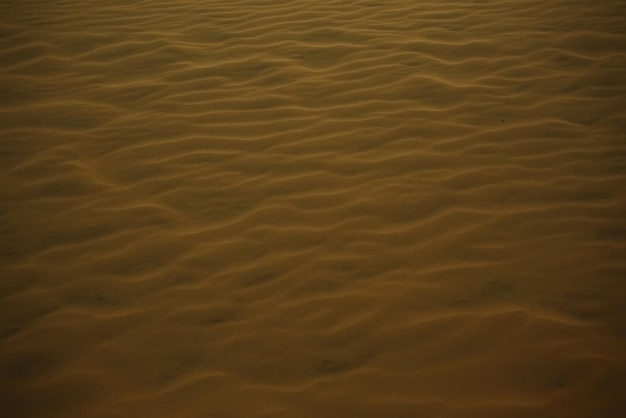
(312,209)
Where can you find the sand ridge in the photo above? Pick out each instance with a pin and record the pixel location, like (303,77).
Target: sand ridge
(330,208)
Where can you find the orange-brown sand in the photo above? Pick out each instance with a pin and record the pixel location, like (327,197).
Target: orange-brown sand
(313,209)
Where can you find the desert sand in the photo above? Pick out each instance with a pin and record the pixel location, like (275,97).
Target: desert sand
(313,209)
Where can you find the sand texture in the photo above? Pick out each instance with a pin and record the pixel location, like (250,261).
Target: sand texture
(312,209)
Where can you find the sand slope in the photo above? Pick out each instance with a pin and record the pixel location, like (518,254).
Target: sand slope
(301,208)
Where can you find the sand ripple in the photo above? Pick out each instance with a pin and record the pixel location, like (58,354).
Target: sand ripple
(312,209)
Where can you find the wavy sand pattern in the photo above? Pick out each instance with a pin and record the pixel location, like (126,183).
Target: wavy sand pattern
(330,208)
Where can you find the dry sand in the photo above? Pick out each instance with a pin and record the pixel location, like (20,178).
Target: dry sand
(313,208)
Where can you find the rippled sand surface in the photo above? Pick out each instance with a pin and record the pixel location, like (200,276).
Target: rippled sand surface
(317,209)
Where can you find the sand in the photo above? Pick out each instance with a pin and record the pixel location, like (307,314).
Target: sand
(316,209)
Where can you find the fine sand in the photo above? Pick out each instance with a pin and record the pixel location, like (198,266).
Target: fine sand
(312,209)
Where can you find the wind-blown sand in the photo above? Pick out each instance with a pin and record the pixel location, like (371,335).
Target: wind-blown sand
(317,209)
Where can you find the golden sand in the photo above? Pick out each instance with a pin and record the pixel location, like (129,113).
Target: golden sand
(316,209)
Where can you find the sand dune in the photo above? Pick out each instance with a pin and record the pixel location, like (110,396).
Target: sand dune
(333,208)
